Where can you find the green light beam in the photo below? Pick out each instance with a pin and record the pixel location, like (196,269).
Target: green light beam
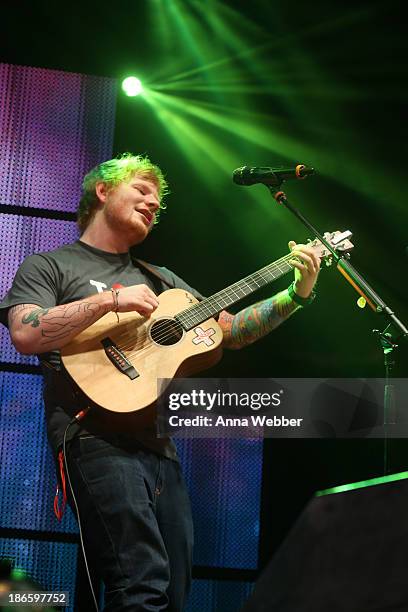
(359,174)
(208,157)
(342,21)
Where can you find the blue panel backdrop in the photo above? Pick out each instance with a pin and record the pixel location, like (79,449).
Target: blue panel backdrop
(27,473)
(224,480)
(55,126)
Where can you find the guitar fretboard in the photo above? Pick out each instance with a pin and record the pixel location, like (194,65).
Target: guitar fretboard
(211,306)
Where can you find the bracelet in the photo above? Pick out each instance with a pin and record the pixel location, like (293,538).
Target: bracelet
(301,301)
(115,296)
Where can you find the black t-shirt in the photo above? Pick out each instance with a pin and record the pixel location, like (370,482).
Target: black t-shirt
(70,273)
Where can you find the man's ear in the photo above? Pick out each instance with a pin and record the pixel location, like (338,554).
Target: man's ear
(101,190)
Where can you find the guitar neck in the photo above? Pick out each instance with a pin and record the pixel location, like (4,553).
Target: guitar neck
(211,306)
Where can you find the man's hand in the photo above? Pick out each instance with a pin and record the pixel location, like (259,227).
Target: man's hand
(138,298)
(307,266)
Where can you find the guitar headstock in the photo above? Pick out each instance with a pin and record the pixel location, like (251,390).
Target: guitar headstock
(338,240)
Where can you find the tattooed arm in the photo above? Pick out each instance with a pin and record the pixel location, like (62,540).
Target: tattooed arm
(37,330)
(259,319)
(255,321)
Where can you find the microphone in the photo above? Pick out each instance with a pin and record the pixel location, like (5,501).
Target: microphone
(269,176)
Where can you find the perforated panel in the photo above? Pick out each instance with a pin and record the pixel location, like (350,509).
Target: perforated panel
(224,480)
(51,564)
(218,596)
(27,473)
(20,237)
(55,126)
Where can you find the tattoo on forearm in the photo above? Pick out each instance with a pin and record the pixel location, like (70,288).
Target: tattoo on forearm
(16,310)
(59,322)
(225,321)
(33,317)
(255,321)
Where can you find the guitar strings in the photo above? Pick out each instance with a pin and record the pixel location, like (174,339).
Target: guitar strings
(165,334)
(137,348)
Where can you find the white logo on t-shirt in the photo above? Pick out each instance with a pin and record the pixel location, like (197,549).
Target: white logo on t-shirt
(99,286)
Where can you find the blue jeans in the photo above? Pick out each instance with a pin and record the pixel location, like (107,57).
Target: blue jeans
(136,522)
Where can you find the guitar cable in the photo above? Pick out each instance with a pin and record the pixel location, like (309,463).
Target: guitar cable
(64,463)
(77,418)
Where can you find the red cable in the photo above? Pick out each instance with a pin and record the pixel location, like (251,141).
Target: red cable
(59,511)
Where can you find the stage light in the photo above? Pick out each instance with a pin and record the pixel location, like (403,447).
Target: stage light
(132,86)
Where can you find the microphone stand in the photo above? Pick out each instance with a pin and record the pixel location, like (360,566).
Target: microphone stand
(388,338)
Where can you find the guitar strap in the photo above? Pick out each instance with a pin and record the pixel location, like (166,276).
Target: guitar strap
(157,275)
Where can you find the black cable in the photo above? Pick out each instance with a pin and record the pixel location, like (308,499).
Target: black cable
(77,418)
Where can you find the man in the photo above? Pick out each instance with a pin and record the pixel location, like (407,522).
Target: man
(132,501)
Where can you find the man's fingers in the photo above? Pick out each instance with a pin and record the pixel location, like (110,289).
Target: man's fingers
(148,294)
(153,302)
(308,256)
(148,305)
(307,260)
(145,309)
(299,250)
(295,263)
(138,298)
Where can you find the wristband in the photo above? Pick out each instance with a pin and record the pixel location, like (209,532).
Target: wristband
(115,296)
(301,301)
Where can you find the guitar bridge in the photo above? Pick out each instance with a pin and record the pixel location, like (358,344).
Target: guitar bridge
(119,360)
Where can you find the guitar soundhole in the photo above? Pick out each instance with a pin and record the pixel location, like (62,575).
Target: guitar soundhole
(166,332)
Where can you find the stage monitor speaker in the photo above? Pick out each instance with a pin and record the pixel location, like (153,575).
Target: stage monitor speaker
(348,552)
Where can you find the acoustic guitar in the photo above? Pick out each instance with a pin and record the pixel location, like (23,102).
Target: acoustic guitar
(117,364)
